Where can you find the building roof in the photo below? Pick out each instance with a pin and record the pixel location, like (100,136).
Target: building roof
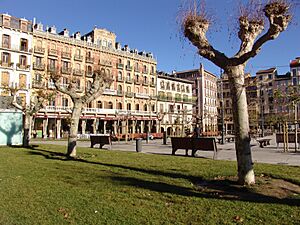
(271,70)
(163,75)
(295,62)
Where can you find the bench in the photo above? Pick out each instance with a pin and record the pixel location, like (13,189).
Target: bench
(291,138)
(194,144)
(101,139)
(263,142)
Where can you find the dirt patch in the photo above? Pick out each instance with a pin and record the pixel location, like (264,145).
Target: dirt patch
(266,189)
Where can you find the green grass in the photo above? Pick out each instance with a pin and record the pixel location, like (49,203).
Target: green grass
(39,186)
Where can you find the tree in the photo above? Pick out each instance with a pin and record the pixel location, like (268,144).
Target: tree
(79,100)
(38,100)
(195,24)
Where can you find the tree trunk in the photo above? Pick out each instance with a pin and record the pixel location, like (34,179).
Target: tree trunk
(27,129)
(72,140)
(241,121)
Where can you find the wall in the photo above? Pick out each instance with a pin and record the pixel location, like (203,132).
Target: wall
(11,124)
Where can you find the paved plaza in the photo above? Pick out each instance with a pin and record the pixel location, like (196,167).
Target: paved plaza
(268,154)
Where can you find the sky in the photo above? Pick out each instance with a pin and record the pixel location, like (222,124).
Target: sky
(152,25)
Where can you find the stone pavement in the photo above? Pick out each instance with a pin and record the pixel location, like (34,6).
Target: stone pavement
(268,154)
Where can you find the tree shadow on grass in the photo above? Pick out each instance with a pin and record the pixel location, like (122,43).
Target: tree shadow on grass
(223,189)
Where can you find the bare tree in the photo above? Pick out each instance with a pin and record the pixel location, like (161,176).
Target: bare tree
(38,100)
(100,80)
(195,24)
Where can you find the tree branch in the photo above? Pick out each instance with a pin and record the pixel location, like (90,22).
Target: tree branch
(195,28)
(279,16)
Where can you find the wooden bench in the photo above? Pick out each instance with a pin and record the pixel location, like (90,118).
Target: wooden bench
(100,139)
(194,144)
(291,138)
(263,142)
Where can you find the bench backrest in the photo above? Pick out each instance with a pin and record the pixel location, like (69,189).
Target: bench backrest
(181,142)
(206,144)
(291,138)
(203,143)
(105,139)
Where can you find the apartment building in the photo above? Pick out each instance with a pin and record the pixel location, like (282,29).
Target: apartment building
(30,52)
(174,104)
(205,92)
(16,55)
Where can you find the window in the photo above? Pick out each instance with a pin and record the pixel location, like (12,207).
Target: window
(88,85)
(65,102)
(78,53)
(137,107)
(110,105)
(161,107)
(128,106)
(99,105)
(65,65)
(152,69)
(145,107)
(52,102)
(89,70)
(128,63)
(52,63)
(5,41)
(22,81)
(120,75)
(38,77)
(5,58)
(38,60)
(78,84)
(162,85)
(152,108)
(24,45)
(173,87)
(5,79)
(128,89)
(119,105)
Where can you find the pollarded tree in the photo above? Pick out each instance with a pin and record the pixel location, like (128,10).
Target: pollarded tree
(195,24)
(38,100)
(79,100)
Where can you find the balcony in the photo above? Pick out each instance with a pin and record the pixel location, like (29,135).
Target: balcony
(120,66)
(129,68)
(137,81)
(129,94)
(78,58)
(109,92)
(187,100)
(154,97)
(152,84)
(120,79)
(79,89)
(52,69)
(136,69)
(162,98)
(145,83)
(66,55)
(38,84)
(52,52)
(39,50)
(120,93)
(89,74)
(89,59)
(99,111)
(145,71)
(178,99)
(105,63)
(170,98)
(23,67)
(66,70)
(141,95)
(78,72)
(38,66)
(129,80)
(57,109)
(8,65)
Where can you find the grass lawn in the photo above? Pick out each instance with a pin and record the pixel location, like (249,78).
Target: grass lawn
(39,186)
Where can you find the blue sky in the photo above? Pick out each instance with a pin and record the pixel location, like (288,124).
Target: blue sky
(151,25)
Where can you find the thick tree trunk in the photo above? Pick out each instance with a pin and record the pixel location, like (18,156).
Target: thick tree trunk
(72,140)
(241,122)
(27,129)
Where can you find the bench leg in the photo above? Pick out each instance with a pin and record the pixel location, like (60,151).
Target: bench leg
(194,153)
(101,145)
(173,151)
(186,152)
(215,155)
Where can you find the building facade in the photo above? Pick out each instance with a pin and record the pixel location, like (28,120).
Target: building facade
(174,104)
(128,105)
(205,91)
(16,56)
